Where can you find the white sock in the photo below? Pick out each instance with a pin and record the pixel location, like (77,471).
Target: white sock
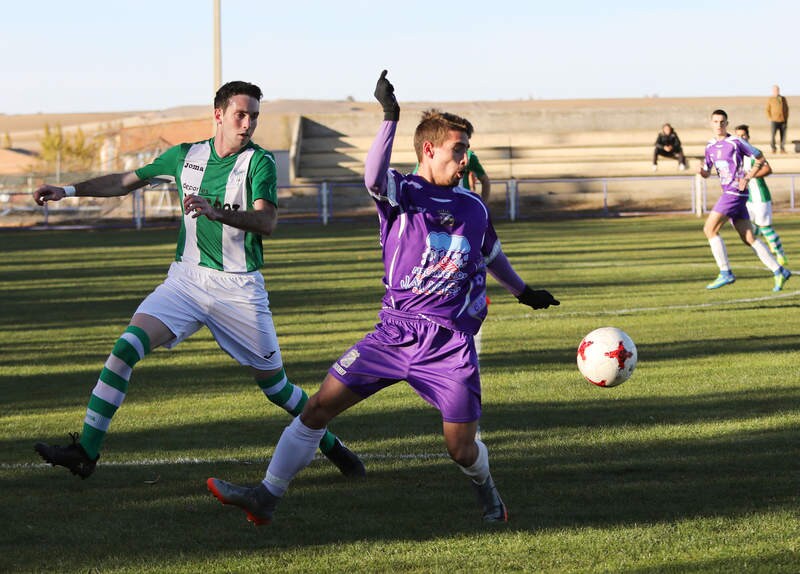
(295,450)
(766,257)
(720,253)
(478,471)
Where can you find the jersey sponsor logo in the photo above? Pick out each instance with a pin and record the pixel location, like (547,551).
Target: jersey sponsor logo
(228,206)
(441,269)
(189,188)
(194,166)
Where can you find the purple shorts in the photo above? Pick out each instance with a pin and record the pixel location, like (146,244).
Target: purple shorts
(734,206)
(439,364)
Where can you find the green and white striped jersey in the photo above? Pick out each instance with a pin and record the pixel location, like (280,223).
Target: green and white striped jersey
(757,188)
(233,182)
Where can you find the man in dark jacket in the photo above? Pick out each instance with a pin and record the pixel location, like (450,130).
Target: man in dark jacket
(668,144)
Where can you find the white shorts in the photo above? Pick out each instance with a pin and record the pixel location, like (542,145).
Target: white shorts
(234,307)
(760,213)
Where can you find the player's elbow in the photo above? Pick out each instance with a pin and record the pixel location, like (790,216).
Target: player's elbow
(268,226)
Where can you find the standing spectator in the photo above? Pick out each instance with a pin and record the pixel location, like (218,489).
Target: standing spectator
(778,114)
(668,144)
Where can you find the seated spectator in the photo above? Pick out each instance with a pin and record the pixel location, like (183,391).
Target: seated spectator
(668,144)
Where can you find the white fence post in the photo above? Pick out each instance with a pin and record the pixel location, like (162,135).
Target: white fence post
(324,192)
(138,207)
(512,199)
(698,195)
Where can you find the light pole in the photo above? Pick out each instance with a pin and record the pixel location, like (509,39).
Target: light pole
(217,47)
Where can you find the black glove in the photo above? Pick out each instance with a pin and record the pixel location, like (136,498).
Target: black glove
(537,298)
(384,93)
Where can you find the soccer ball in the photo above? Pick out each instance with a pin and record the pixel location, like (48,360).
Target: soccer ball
(607,357)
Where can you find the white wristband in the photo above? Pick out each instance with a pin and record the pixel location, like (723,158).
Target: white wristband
(69,190)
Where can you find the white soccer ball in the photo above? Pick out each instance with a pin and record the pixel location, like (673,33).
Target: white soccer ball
(607,357)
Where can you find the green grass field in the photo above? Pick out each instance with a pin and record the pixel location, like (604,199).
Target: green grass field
(693,465)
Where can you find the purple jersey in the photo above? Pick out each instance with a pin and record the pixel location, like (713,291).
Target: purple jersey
(728,156)
(437,242)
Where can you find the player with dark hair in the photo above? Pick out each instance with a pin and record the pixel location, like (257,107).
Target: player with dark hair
(728,155)
(438,241)
(229,190)
(759,203)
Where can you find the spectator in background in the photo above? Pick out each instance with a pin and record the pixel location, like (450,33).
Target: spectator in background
(668,144)
(778,114)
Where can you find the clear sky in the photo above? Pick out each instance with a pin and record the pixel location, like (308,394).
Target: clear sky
(118,55)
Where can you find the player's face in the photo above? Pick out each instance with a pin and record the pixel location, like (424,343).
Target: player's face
(449,161)
(741,134)
(719,125)
(237,122)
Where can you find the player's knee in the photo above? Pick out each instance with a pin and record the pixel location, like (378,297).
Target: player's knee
(314,414)
(463,454)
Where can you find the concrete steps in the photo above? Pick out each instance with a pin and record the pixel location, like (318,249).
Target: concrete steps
(535,139)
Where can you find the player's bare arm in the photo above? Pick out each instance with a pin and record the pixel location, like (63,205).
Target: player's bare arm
(111,185)
(757,165)
(765,170)
(261,219)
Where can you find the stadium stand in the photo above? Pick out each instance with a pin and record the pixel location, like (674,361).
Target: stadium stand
(533,139)
(591,156)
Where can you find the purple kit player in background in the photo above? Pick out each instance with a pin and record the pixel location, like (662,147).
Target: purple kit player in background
(438,243)
(727,154)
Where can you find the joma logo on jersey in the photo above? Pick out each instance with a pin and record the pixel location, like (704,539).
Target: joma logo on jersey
(194,166)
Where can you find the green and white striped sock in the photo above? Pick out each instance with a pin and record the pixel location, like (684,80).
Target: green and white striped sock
(772,238)
(291,398)
(111,387)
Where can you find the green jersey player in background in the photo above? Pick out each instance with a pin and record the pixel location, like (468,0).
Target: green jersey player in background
(759,203)
(229,191)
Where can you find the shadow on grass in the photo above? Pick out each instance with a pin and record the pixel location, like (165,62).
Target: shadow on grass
(123,517)
(618,484)
(117,513)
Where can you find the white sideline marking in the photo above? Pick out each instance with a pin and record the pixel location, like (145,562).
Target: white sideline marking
(198,461)
(545,315)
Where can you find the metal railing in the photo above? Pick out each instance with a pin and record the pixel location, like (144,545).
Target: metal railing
(512,199)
